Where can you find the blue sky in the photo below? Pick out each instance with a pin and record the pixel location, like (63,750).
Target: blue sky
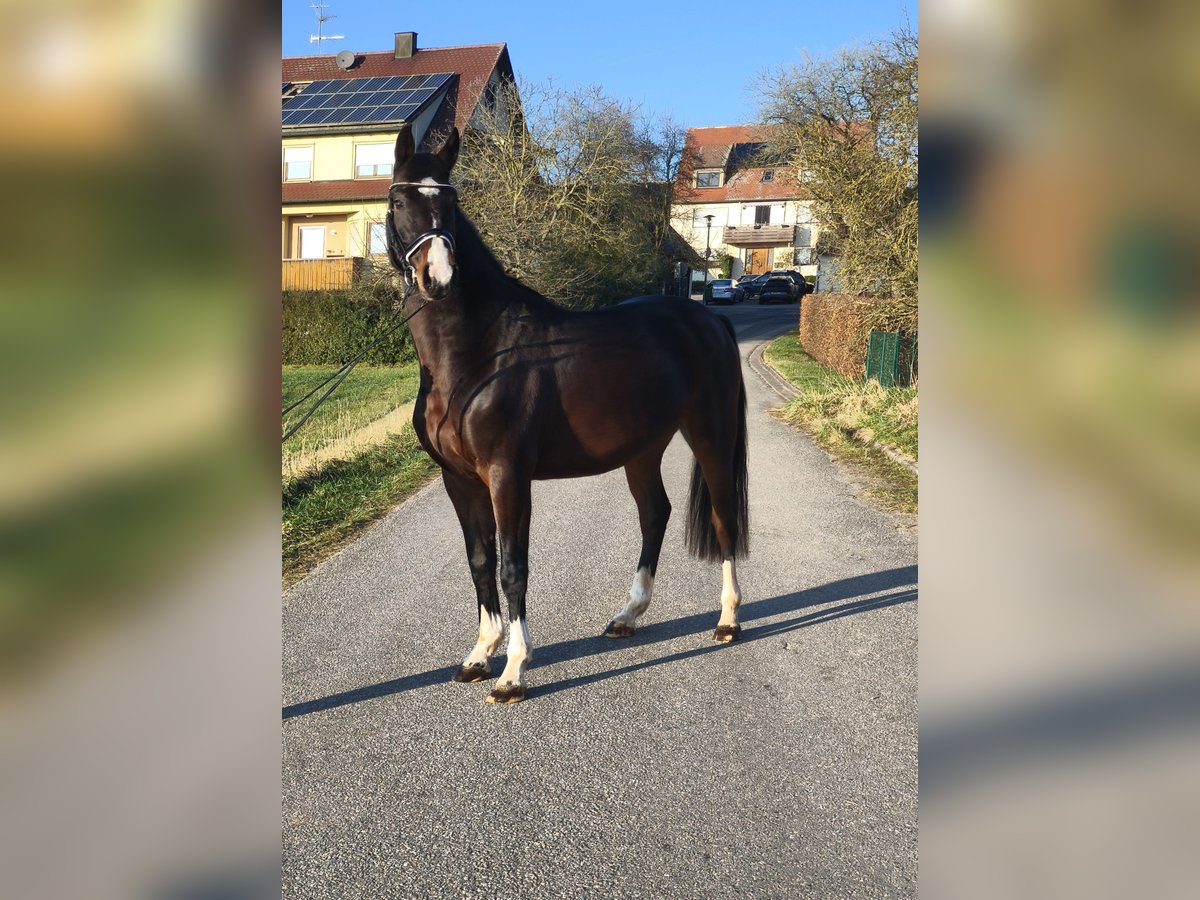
(696,60)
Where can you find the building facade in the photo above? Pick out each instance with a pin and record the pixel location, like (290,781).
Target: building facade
(760,215)
(341,117)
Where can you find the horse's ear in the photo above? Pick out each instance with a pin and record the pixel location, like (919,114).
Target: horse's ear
(449,152)
(404,150)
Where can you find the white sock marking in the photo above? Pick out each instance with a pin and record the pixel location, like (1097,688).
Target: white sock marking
(519,655)
(491,631)
(731,594)
(639,597)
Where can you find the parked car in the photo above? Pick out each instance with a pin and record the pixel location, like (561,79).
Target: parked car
(752,284)
(779,289)
(723,290)
(800,280)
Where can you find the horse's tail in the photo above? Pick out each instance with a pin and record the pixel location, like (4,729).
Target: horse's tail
(699,533)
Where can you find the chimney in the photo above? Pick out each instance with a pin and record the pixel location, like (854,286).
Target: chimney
(406,44)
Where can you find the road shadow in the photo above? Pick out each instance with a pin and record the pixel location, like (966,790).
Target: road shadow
(836,599)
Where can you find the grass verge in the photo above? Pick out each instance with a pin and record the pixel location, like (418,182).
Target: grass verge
(852,420)
(324,509)
(354,460)
(368,394)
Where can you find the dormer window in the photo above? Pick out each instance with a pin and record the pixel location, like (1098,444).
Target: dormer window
(768,176)
(708,179)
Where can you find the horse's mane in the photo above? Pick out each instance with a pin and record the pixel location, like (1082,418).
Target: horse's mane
(487,264)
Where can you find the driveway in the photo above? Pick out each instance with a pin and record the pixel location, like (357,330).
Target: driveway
(783,765)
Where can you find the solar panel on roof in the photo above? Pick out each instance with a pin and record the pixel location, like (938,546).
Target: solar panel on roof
(362,100)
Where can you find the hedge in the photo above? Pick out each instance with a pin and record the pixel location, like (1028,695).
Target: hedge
(834,330)
(329,327)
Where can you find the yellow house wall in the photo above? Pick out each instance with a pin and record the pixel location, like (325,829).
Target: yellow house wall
(333,160)
(333,155)
(354,234)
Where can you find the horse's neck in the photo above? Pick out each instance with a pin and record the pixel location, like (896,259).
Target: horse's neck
(470,323)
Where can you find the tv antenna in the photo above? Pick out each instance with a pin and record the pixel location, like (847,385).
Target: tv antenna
(322,17)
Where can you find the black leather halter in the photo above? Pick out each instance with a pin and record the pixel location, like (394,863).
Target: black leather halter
(399,252)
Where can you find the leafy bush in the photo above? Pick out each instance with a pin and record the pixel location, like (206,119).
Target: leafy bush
(330,327)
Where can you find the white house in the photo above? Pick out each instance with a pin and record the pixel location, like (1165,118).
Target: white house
(760,215)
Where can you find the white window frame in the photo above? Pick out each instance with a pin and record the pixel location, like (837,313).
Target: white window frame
(373,229)
(304,149)
(715,173)
(385,159)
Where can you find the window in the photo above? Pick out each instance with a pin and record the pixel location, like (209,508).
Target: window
(377,239)
(708,179)
(768,176)
(297,163)
(372,160)
(698,220)
(762,215)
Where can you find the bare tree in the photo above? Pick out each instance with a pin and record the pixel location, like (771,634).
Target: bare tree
(571,190)
(849,126)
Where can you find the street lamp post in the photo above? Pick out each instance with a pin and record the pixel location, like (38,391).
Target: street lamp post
(707,245)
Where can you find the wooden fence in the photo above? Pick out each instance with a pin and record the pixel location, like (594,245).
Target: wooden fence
(323,274)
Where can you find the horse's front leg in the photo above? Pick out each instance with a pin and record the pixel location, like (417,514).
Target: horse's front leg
(510,504)
(473,504)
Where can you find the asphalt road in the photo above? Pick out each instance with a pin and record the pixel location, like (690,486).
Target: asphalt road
(783,765)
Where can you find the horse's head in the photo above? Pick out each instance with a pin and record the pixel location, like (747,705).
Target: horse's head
(421,214)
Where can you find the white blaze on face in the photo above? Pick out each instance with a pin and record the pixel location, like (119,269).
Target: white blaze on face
(519,655)
(438,260)
(438,255)
(731,594)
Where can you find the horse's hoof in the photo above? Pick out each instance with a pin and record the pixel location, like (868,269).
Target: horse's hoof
(471,674)
(514,694)
(617,629)
(726,633)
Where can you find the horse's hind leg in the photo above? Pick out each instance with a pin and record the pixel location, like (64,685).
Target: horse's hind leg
(644,475)
(474,507)
(716,467)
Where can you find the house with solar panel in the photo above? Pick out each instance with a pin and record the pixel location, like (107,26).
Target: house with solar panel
(341,116)
(732,198)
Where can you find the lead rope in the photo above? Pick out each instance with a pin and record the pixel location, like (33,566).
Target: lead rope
(346,368)
(399,256)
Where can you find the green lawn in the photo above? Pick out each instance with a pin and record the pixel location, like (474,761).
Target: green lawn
(788,358)
(326,503)
(323,510)
(368,393)
(851,419)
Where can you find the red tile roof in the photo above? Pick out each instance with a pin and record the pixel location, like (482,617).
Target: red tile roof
(473,65)
(725,135)
(349,189)
(747,184)
(710,148)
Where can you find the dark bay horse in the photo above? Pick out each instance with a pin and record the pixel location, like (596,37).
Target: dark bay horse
(515,388)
